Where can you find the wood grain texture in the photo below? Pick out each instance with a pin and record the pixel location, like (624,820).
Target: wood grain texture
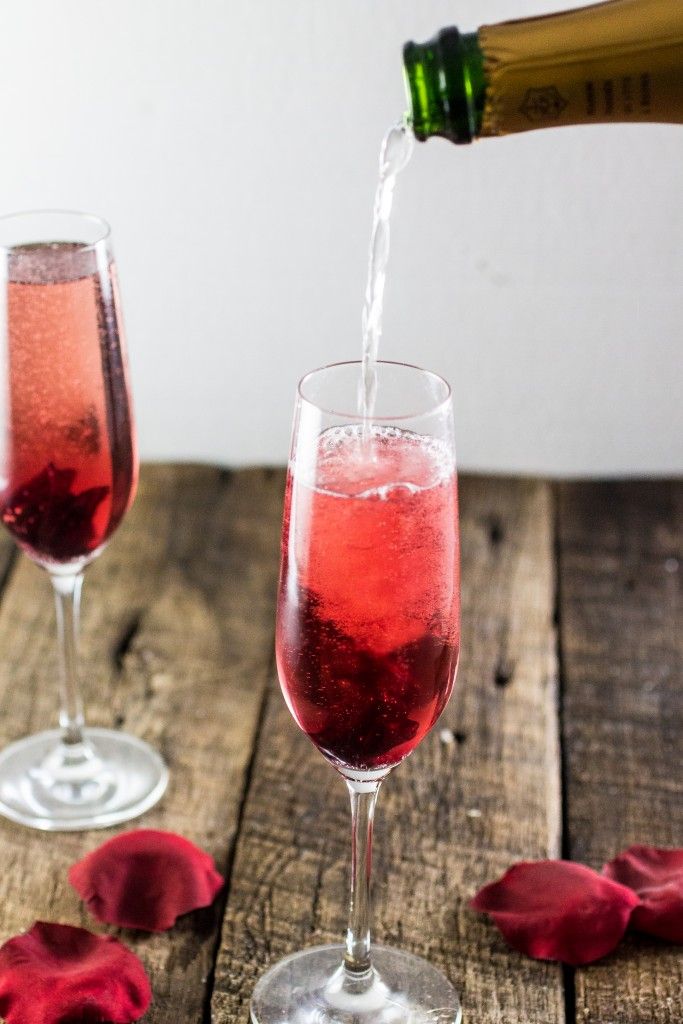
(176,648)
(469,801)
(621,579)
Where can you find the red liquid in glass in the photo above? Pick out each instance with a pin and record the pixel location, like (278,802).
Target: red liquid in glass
(69,466)
(368,611)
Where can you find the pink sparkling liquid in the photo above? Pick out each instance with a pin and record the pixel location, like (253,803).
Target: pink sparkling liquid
(69,465)
(368,611)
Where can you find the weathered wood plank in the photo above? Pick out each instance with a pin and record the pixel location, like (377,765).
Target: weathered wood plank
(466,804)
(176,648)
(621,576)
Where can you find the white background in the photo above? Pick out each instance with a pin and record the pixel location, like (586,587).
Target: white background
(233,146)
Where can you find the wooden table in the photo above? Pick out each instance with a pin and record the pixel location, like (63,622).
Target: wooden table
(563,736)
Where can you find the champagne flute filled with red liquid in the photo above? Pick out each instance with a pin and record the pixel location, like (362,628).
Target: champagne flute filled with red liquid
(367,640)
(68,473)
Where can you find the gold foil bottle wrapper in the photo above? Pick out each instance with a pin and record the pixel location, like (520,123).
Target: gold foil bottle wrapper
(616,61)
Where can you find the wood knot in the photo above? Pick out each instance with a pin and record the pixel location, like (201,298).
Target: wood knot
(126,639)
(496,532)
(504,672)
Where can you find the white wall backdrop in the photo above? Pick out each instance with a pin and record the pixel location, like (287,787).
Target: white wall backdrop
(233,146)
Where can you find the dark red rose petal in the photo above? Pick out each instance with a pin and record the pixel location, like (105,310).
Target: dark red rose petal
(145,879)
(656,875)
(55,973)
(557,910)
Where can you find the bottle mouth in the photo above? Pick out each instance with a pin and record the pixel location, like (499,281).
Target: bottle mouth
(417,91)
(439,86)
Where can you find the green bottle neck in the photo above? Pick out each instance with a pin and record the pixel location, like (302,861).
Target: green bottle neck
(446,86)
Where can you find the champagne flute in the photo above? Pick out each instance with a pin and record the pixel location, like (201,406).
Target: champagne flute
(68,474)
(367,642)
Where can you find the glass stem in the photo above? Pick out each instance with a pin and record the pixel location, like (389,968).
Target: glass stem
(68,600)
(357,953)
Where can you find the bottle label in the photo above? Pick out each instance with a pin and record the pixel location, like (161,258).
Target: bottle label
(616,61)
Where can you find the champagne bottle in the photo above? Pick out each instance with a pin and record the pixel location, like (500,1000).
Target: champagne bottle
(615,61)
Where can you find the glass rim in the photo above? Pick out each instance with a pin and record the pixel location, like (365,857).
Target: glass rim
(93,218)
(355,416)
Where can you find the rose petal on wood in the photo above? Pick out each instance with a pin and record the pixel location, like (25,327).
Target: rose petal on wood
(656,875)
(56,973)
(145,879)
(558,910)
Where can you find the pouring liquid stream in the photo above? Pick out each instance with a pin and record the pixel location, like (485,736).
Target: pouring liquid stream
(395,152)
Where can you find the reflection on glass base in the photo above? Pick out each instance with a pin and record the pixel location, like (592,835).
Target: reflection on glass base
(312,987)
(58,787)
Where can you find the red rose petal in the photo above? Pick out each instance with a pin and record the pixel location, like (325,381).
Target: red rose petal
(145,879)
(656,875)
(557,910)
(55,973)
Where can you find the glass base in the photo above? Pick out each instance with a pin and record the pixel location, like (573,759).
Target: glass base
(60,787)
(313,987)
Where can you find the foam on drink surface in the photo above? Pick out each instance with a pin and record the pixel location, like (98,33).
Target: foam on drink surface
(374,461)
(50,264)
